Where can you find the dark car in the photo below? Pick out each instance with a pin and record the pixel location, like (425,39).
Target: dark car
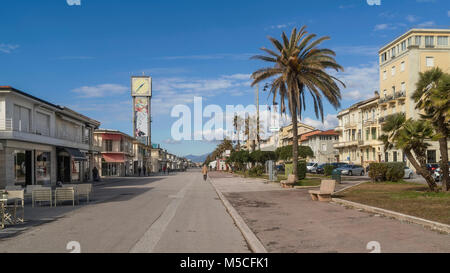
(320,169)
(432,167)
(280,168)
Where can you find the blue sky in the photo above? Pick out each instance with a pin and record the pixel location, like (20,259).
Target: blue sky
(83,56)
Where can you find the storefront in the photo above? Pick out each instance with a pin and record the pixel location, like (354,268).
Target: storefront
(113,165)
(70,167)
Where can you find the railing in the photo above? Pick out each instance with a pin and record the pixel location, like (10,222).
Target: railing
(6,124)
(400,94)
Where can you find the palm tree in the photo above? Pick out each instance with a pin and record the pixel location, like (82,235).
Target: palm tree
(237,128)
(300,67)
(409,136)
(432,95)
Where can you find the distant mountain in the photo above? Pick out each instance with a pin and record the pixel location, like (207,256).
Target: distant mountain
(197,158)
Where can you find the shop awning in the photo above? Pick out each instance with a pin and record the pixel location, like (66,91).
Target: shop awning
(113,158)
(74,153)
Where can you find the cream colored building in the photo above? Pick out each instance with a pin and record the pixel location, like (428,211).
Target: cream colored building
(286,136)
(401,60)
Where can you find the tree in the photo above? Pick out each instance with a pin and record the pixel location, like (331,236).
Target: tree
(432,95)
(285,152)
(409,136)
(300,67)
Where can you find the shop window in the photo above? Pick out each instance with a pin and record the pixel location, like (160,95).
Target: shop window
(43,168)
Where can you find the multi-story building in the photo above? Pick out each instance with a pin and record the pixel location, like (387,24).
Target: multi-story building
(142,158)
(401,60)
(117,156)
(359,130)
(286,135)
(321,143)
(42,143)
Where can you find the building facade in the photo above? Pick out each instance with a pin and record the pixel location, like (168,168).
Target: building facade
(42,143)
(286,135)
(322,144)
(401,61)
(117,156)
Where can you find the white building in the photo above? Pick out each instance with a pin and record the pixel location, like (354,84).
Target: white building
(42,143)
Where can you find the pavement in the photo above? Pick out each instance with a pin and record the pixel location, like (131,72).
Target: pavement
(287,220)
(175,213)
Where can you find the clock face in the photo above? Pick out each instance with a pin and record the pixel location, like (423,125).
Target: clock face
(141,86)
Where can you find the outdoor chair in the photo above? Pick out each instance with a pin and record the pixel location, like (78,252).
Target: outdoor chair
(42,195)
(29,190)
(84,190)
(326,190)
(18,203)
(65,194)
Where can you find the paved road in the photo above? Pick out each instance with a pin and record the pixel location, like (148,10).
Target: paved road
(176,213)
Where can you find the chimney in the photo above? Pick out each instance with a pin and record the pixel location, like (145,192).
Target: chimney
(376,93)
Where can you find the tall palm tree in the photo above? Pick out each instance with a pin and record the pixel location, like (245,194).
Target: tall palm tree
(300,67)
(409,136)
(237,129)
(432,95)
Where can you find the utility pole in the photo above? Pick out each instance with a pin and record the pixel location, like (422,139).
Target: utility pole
(257,116)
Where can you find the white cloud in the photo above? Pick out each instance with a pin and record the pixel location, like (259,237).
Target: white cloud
(101,90)
(171,141)
(381,27)
(412,18)
(329,122)
(280,26)
(426,24)
(8,48)
(361,81)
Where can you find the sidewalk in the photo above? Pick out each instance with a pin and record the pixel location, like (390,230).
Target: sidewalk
(286,220)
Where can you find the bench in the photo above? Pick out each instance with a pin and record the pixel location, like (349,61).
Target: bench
(65,194)
(42,195)
(84,190)
(326,190)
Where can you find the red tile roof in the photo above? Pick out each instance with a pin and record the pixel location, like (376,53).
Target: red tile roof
(305,136)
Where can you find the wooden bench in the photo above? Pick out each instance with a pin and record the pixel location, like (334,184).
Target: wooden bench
(84,190)
(42,195)
(65,194)
(326,190)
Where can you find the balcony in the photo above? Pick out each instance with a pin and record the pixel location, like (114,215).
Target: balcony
(401,95)
(345,144)
(6,124)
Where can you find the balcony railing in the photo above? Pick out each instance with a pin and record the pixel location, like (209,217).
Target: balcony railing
(400,95)
(6,124)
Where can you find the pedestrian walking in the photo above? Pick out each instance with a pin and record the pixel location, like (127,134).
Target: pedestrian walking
(205,172)
(95,174)
(164,170)
(144,169)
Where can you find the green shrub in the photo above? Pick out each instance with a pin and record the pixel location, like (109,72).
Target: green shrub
(301,169)
(328,169)
(390,171)
(256,171)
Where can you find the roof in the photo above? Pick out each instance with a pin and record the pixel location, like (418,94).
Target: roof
(58,107)
(356,105)
(331,132)
(413,30)
(111,131)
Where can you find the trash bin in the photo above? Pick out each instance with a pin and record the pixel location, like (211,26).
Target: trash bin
(336,175)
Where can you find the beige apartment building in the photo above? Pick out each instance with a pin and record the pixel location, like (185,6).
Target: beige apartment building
(286,136)
(401,60)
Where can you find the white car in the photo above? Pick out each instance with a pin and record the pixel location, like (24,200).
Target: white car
(408,173)
(311,167)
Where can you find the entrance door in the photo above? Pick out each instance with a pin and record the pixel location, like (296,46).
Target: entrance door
(64,169)
(28,167)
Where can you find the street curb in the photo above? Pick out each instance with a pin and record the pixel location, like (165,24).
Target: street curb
(253,242)
(399,216)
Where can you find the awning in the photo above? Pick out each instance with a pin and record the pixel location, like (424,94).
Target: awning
(74,153)
(114,158)
(111,137)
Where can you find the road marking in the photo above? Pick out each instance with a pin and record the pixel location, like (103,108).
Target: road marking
(152,236)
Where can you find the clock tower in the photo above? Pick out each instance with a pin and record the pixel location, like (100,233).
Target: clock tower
(141,91)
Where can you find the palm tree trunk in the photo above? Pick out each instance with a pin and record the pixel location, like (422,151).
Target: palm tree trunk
(421,170)
(294,142)
(444,163)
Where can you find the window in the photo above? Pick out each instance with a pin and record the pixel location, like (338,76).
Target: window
(442,40)
(418,40)
(374,133)
(430,61)
(393,52)
(43,165)
(42,124)
(108,145)
(383,57)
(21,119)
(386,157)
(373,154)
(324,147)
(385,92)
(403,86)
(402,66)
(409,41)
(384,75)
(367,154)
(403,45)
(429,40)
(394,154)
(367,133)
(393,71)
(431,156)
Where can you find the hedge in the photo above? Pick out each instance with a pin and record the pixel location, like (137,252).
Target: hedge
(301,169)
(256,171)
(389,171)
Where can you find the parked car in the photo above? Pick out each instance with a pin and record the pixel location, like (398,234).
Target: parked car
(437,174)
(280,168)
(351,170)
(432,167)
(408,173)
(311,167)
(320,169)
